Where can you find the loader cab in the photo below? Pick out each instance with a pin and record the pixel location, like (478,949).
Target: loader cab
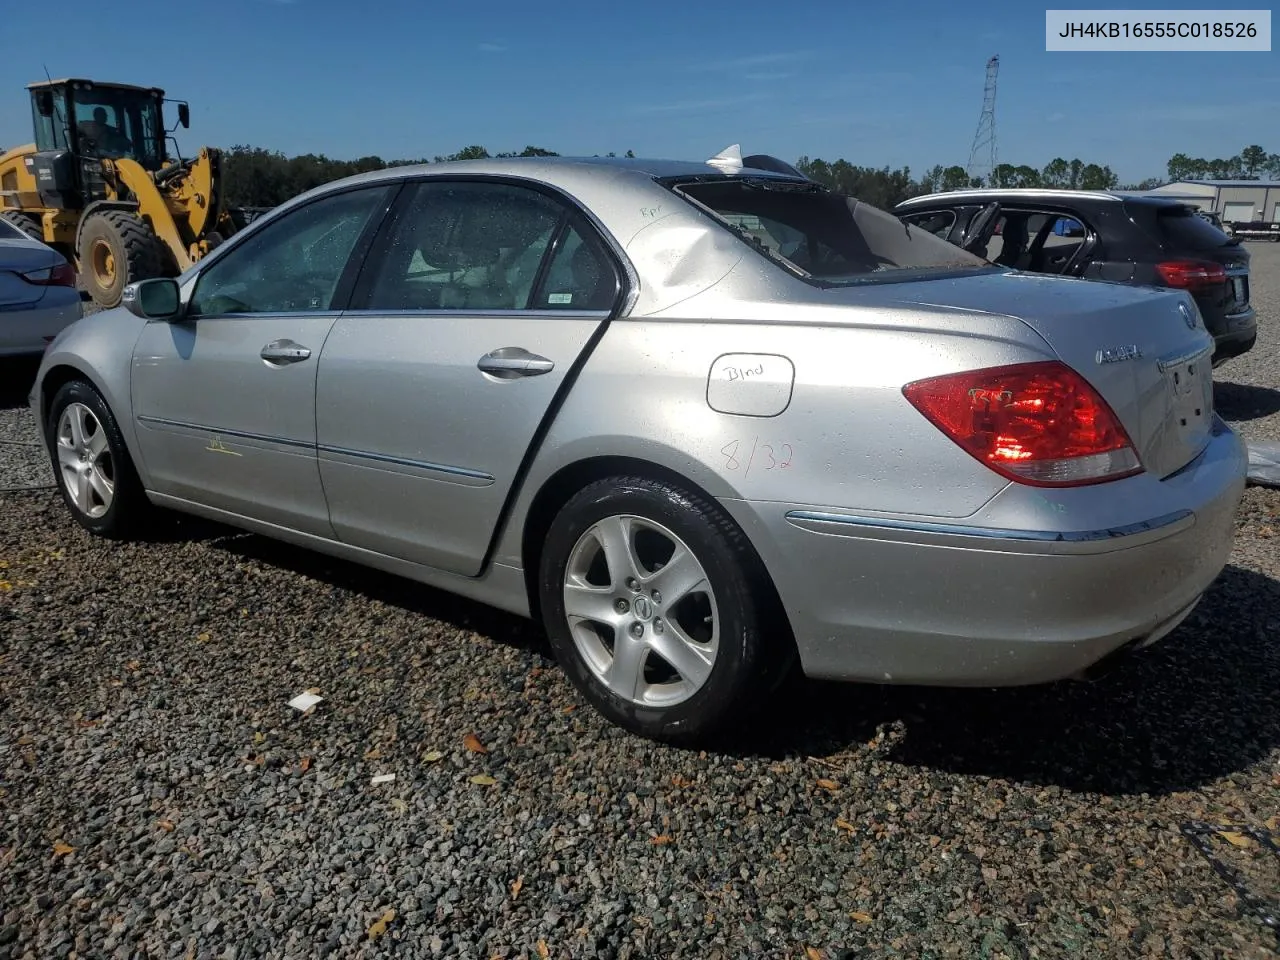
(80,123)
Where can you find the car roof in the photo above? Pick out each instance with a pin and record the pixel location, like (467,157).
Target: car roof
(1040,193)
(564,169)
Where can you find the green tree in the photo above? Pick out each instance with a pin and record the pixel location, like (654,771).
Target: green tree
(1253,159)
(1094,177)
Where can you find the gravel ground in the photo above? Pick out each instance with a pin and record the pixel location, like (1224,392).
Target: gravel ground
(158,797)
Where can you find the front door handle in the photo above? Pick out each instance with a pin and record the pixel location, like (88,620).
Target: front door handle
(510,362)
(284,351)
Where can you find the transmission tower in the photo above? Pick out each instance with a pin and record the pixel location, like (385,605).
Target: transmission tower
(982,156)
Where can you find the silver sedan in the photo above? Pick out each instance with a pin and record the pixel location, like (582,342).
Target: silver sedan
(706,423)
(38,296)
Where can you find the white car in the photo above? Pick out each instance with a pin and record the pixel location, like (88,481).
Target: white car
(38,295)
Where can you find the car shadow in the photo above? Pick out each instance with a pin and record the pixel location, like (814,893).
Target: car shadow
(17,374)
(1243,401)
(1202,704)
(410,595)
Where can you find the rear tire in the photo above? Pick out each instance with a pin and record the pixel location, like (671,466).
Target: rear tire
(28,223)
(92,466)
(679,668)
(116,248)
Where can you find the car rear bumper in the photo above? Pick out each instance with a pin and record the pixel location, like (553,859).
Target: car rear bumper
(27,331)
(1234,335)
(909,600)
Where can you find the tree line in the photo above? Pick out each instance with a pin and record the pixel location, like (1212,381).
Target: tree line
(256,177)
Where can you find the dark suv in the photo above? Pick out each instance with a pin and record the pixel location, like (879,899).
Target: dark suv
(1121,238)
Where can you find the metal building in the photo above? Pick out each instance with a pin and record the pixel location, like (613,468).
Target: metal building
(1233,200)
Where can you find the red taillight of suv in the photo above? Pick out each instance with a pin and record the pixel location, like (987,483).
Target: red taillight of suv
(61,275)
(1036,423)
(1192,274)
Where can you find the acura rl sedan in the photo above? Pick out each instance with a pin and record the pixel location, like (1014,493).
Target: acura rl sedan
(706,423)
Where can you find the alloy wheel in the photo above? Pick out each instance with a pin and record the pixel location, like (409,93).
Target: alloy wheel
(84,458)
(641,611)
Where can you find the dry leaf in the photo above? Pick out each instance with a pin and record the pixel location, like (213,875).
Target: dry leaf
(681,782)
(61,849)
(516,885)
(1236,839)
(472,743)
(483,779)
(1273,824)
(570,708)
(305,765)
(845,825)
(259,736)
(543,952)
(132,666)
(813,953)
(857,916)
(373,754)
(380,925)
(828,784)
(399,806)
(166,825)
(203,638)
(660,841)
(431,756)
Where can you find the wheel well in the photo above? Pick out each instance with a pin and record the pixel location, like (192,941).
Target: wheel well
(566,482)
(55,380)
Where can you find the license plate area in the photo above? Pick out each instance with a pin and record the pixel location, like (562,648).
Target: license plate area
(1240,291)
(1191,386)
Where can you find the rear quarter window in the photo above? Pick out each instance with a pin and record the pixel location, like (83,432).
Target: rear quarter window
(1180,228)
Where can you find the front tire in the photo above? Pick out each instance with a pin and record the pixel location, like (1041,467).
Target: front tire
(117,248)
(91,464)
(659,610)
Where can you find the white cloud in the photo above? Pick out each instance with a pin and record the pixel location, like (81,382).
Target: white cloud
(490,47)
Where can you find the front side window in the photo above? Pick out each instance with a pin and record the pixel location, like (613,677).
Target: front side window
(293,264)
(117,123)
(823,236)
(51,131)
(464,246)
(937,222)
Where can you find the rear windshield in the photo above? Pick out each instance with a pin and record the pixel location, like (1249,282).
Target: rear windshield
(823,236)
(9,232)
(1182,229)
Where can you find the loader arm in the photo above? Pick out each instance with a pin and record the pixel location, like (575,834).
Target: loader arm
(153,208)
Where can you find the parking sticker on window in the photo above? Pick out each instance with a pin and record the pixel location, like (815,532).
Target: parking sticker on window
(560,298)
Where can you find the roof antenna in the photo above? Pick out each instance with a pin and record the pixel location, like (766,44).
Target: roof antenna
(729,159)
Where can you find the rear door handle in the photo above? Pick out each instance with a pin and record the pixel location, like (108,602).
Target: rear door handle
(510,362)
(284,351)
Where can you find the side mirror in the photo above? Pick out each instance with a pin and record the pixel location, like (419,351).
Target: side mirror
(154,299)
(184,115)
(981,227)
(44,103)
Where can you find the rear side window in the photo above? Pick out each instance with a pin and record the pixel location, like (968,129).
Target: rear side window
(1181,229)
(823,236)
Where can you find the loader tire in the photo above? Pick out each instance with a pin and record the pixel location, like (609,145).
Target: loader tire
(28,223)
(117,248)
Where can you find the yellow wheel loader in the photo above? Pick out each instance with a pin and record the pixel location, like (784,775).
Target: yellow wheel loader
(99,186)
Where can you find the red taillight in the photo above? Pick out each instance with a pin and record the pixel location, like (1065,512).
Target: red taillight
(1037,423)
(1192,274)
(61,275)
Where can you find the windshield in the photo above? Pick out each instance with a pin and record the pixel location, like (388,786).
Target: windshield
(118,123)
(823,236)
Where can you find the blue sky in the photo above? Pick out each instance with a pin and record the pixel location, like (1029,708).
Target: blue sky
(897,84)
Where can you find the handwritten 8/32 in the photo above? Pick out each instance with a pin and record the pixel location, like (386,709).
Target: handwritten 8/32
(766,456)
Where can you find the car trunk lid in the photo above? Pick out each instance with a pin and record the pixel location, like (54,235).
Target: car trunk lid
(16,258)
(1144,349)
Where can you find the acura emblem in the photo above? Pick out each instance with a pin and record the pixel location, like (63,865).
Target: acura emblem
(1187,315)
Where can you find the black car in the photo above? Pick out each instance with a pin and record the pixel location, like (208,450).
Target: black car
(1116,237)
